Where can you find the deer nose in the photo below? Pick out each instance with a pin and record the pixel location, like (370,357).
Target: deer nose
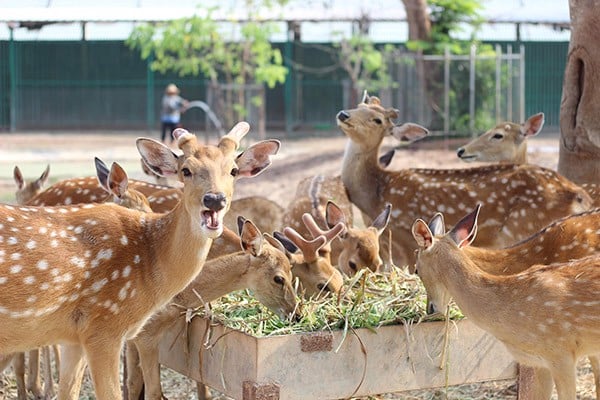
(214,201)
(460,152)
(431,308)
(343,115)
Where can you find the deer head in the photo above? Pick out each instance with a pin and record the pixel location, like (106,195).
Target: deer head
(28,190)
(116,183)
(506,142)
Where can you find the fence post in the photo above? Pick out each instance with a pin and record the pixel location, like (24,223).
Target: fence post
(150,112)
(12,71)
(446,90)
(522,82)
(509,89)
(498,83)
(472,64)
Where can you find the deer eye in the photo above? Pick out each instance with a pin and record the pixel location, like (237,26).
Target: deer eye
(377,121)
(235,171)
(186,172)
(278,280)
(497,136)
(352,265)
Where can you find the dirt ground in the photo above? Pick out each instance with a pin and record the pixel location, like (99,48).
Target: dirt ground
(71,155)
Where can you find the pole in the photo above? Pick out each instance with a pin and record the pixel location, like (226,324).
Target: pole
(472,90)
(12,72)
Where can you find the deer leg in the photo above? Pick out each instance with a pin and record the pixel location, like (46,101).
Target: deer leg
(595,362)
(33,378)
(48,379)
(19,368)
(103,358)
(71,372)
(56,351)
(135,381)
(203,391)
(148,354)
(564,375)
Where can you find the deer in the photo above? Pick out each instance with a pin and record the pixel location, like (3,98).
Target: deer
(514,190)
(544,315)
(507,143)
(27,190)
(116,183)
(325,199)
(67,271)
(561,241)
(262,266)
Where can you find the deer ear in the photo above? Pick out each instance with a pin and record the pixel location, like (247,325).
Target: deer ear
(465,230)
(334,214)
(256,158)
(18,176)
(274,242)
(101,173)
(117,180)
(158,157)
(533,125)
(386,159)
(44,177)
(251,238)
(409,132)
(382,220)
(436,225)
(240,223)
(365,98)
(288,245)
(422,234)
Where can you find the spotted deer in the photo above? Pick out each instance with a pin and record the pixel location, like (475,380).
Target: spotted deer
(261,266)
(515,191)
(89,276)
(116,183)
(507,143)
(325,199)
(28,190)
(545,315)
(566,239)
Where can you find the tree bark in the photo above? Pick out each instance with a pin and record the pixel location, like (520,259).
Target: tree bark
(417,16)
(579,154)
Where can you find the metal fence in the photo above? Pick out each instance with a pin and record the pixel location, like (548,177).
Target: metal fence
(78,85)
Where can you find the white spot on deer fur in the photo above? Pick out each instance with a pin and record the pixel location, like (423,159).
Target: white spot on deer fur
(529,298)
(104,254)
(42,265)
(133,292)
(115,275)
(105,237)
(126,271)
(12,240)
(54,243)
(31,245)
(54,272)
(114,308)
(136,259)
(87,275)
(78,230)
(124,240)
(29,280)
(78,261)
(15,269)
(88,206)
(49,210)
(74,297)
(45,286)
(15,256)
(3,279)
(96,286)
(31,299)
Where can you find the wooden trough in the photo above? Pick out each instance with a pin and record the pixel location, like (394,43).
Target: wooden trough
(328,365)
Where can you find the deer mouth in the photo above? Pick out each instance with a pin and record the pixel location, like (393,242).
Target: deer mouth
(468,158)
(212,220)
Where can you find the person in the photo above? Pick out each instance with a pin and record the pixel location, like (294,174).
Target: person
(172,106)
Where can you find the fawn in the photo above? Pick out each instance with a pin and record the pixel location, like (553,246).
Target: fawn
(514,190)
(545,315)
(28,190)
(91,275)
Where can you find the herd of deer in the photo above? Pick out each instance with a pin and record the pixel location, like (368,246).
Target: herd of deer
(90,275)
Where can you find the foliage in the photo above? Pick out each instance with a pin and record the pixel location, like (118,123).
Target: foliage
(197,46)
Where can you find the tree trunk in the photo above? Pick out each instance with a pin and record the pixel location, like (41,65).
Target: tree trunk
(579,155)
(417,15)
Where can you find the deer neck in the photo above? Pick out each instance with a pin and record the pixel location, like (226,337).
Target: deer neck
(515,259)
(362,176)
(217,278)
(177,245)
(521,154)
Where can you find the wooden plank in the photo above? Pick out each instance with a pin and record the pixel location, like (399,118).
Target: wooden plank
(391,359)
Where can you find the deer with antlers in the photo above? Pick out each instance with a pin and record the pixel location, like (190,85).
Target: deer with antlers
(514,190)
(507,143)
(325,199)
(67,271)
(545,315)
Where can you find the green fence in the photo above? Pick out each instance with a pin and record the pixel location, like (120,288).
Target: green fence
(77,85)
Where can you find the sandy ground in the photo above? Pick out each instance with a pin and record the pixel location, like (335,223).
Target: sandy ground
(71,155)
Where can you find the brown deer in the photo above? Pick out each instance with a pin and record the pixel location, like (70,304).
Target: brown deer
(116,183)
(507,143)
(514,190)
(261,266)
(28,190)
(561,241)
(90,276)
(545,315)
(325,199)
